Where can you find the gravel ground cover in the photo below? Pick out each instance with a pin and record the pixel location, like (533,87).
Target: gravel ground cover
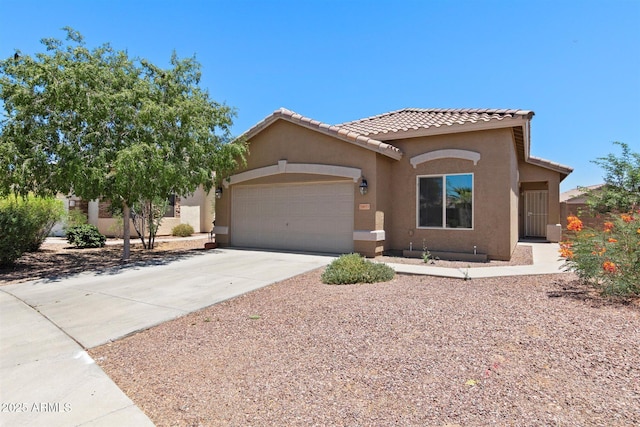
(416,351)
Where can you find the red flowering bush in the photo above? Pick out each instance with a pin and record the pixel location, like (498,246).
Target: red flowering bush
(608,258)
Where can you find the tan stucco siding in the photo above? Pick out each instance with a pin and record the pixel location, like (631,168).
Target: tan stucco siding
(389,208)
(197,211)
(493,177)
(514,197)
(286,141)
(297,145)
(384,199)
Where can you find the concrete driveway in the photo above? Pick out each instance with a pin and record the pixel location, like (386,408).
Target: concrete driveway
(46,326)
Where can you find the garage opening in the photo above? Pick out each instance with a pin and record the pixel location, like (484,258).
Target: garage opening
(314,217)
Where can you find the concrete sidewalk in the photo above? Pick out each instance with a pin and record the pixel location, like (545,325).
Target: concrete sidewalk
(47,377)
(546,260)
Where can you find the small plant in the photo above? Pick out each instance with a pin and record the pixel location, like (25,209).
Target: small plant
(354,268)
(465,274)
(427,258)
(85,236)
(182,230)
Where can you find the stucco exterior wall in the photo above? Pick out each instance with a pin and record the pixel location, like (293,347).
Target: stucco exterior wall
(285,141)
(390,206)
(197,210)
(514,197)
(493,207)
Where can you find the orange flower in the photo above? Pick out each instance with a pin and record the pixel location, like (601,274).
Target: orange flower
(612,240)
(609,267)
(566,252)
(626,218)
(574,223)
(608,226)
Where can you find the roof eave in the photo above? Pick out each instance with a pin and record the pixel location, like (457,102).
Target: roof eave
(333,131)
(563,170)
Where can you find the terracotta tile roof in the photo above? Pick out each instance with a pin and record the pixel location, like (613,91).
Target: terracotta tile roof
(411,119)
(395,124)
(335,131)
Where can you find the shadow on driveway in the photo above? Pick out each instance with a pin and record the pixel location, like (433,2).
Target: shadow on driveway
(54,265)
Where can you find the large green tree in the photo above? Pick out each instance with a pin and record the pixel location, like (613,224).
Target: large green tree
(99,124)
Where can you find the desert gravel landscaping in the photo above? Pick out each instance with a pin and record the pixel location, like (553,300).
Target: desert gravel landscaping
(521,351)
(415,351)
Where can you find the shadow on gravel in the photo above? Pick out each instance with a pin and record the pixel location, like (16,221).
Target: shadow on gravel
(578,291)
(53,266)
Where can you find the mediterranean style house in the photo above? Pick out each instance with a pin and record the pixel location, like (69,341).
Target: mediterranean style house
(453,180)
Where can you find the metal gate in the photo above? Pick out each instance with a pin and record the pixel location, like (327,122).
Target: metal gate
(536,211)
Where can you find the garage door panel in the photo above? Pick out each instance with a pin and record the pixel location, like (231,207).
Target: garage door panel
(309,217)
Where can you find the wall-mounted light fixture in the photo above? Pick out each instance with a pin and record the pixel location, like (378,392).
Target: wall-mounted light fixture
(364,186)
(218,192)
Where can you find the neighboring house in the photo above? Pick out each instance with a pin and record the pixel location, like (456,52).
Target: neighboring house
(453,180)
(196,210)
(574,202)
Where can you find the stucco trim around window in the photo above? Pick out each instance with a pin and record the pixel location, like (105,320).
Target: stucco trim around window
(284,167)
(450,153)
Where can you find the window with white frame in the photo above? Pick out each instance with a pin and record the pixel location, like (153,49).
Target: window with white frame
(445,201)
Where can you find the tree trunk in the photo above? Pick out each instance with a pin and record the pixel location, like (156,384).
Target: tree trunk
(126,230)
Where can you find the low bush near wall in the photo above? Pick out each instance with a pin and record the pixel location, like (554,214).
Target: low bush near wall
(607,257)
(25,223)
(353,268)
(182,230)
(85,236)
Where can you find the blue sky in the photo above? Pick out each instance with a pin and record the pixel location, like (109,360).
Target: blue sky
(576,64)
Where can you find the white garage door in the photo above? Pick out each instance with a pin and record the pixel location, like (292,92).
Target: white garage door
(305,217)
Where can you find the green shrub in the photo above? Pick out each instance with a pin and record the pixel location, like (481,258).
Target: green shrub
(25,223)
(608,257)
(353,268)
(85,236)
(44,213)
(182,230)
